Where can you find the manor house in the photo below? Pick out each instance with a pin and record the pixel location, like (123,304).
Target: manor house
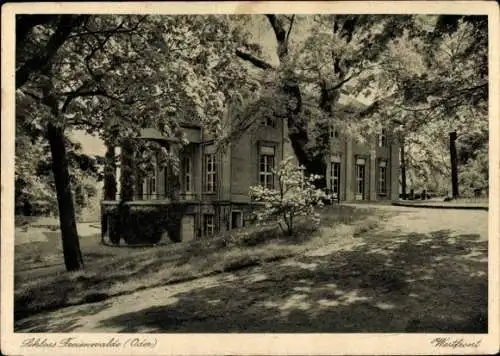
(211,192)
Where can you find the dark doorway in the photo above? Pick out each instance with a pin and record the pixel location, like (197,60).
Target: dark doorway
(236,219)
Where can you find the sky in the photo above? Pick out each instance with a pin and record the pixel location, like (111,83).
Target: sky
(91,145)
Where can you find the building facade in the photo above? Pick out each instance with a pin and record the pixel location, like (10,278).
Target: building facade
(210,193)
(363,170)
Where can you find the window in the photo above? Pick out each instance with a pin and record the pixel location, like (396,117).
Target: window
(208,224)
(360,179)
(187,174)
(382,177)
(333,132)
(210,173)
(270,121)
(266,166)
(149,185)
(236,219)
(335,178)
(166,181)
(152,186)
(382,139)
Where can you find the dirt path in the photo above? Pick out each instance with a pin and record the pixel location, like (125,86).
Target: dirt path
(421,271)
(419,220)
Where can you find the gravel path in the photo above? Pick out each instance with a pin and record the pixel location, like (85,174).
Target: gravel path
(422,270)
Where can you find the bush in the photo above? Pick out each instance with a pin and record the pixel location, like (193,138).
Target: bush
(473,176)
(144,224)
(294,196)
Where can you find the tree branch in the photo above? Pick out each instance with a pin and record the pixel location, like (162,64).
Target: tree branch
(94,125)
(94,50)
(32,95)
(278,29)
(253,59)
(345,80)
(65,25)
(290,28)
(442,102)
(70,96)
(280,34)
(109,32)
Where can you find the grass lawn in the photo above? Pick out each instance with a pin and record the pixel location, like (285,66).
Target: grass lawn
(396,270)
(113,271)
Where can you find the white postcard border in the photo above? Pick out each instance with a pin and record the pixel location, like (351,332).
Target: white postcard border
(258,344)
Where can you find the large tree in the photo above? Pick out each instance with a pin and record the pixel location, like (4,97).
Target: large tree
(113,75)
(34,183)
(413,68)
(437,77)
(335,56)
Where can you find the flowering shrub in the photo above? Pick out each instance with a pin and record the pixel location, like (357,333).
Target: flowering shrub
(294,195)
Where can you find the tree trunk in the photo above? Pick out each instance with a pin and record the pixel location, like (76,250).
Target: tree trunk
(297,129)
(454,164)
(70,242)
(403,170)
(299,137)
(314,165)
(110,173)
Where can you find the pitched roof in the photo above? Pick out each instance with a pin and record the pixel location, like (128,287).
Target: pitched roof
(151,133)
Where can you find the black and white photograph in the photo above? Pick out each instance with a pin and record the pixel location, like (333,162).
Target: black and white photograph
(265,168)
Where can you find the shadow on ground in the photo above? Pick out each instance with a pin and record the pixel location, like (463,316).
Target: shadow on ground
(385,282)
(70,322)
(408,283)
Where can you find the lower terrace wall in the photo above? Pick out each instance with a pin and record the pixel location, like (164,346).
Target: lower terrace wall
(140,222)
(152,222)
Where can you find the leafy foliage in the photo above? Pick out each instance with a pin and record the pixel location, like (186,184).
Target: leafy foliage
(34,183)
(295,195)
(113,75)
(474,175)
(116,74)
(412,70)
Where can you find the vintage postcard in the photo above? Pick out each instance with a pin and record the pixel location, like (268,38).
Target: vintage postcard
(265,178)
